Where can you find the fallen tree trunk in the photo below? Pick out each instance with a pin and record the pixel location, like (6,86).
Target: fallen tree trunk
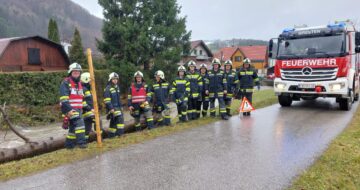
(36,148)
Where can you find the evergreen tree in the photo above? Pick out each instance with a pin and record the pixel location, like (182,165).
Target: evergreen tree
(145,33)
(76,52)
(50,28)
(53,31)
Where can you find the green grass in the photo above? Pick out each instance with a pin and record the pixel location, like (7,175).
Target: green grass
(339,166)
(63,156)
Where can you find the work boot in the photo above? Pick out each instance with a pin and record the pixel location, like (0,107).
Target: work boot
(120,132)
(167,121)
(194,116)
(189,115)
(150,125)
(228,112)
(160,123)
(224,117)
(204,113)
(137,128)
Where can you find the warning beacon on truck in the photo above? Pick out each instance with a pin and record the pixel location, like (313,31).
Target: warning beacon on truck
(313,62)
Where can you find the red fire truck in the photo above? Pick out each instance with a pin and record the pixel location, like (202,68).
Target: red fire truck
(312,62)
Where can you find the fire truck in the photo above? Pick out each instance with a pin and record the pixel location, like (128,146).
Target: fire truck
(313,62)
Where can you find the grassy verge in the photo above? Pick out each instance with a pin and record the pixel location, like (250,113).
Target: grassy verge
(339,166)
(57,158)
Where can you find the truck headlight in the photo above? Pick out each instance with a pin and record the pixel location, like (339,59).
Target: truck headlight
(336,86)
(280,86)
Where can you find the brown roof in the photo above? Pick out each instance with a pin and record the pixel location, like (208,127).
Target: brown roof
(4,43)
(254,53)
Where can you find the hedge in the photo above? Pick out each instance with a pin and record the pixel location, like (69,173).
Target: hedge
(39,88)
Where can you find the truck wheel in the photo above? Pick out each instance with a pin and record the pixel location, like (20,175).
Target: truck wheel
(285,101)
(356,98)
(346,103)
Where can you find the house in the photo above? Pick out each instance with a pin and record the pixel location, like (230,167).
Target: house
(199,52)
(33,53)
(257,55)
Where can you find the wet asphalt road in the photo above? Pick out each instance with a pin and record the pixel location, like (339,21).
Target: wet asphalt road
(265,151)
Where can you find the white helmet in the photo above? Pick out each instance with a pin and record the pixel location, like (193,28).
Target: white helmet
(85,77)
(181,68)
(247,60)
(228,62)
(203,66)
(113,75)
(74,67)
(138,73)
(191,63)
(160,74)
(216,61)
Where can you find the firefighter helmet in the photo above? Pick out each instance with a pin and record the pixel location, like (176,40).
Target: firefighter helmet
(203,66)
(247,60)
(139,73)
(192,63)
(181,68)
(85,77)
(216,61)
(228,62)
(74,67)
(160,74)
(113,75)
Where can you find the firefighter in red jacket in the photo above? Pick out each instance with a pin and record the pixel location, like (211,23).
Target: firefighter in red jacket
(71,100)
(138,101)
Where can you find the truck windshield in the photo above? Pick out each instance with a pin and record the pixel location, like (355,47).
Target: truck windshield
(321,46)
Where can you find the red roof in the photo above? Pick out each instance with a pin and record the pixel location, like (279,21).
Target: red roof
(254,52)
(251,52)
(225,53)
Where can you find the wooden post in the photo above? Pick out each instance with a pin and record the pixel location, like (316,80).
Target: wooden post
(93,92)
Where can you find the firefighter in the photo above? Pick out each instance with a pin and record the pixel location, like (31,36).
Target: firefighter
(112,100)
(161,97)
(71,100)
(232,81)
(204,98)
(138,101)
(88,106)
(195,88)
(180,91)
(247,77)
(217,89)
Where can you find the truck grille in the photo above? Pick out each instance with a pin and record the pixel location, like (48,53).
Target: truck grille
(316,74)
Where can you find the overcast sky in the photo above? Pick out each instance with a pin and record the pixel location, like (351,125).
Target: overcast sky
(255,19)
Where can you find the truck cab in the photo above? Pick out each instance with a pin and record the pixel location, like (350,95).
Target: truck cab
(313,62)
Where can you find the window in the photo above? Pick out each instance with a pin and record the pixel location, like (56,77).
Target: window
(34,56)
(237,58)
(200,52)
(195,51)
